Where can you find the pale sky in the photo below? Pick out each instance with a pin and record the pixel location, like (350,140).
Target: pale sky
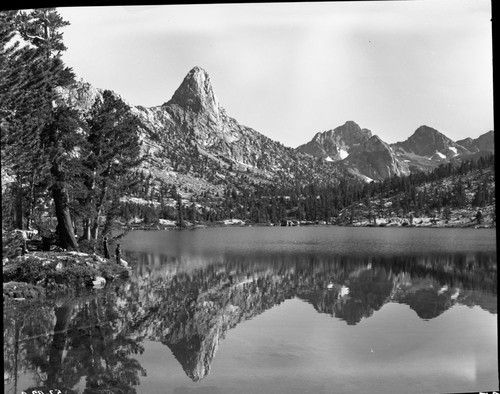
(290,70)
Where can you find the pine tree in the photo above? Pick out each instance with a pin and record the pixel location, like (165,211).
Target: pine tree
(111,150)
(31,73)
(59,141)
(21,115)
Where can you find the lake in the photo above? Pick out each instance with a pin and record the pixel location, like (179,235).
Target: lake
(316,309)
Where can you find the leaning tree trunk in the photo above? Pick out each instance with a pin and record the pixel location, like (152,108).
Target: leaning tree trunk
(99,205)
(65,230)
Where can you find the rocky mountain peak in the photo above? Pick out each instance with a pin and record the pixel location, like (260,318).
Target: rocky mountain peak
(336,144)
(426,131)
(373,144)
(196,92)
(430,136)
(425,135)
(376,143)
(350,125)
(485,143)
(429,142)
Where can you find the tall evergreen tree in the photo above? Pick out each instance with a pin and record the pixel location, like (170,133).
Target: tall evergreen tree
(21,112)
(33,72)
(111,149)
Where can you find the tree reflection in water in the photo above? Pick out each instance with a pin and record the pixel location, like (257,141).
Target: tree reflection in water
(87,343)
(81,340)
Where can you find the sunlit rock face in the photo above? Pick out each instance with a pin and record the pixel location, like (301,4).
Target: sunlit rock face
(376,160)
(336,144)
(196,93)
(81,95)
(201,121)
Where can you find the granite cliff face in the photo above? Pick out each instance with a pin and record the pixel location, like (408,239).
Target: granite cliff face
(81,96)
(375,160)
(196,93)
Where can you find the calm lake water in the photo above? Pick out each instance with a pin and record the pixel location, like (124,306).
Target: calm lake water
(272,310)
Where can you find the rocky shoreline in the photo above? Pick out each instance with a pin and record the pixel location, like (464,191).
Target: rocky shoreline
(464,221)
(31,275)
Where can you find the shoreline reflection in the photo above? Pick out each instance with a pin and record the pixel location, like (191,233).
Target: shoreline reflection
(189,305)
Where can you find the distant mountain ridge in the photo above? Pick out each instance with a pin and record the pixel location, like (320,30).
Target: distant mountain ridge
(191,142)
(427,142)
(485,142)
(424,150)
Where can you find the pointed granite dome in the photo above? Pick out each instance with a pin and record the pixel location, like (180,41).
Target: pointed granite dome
(196,92)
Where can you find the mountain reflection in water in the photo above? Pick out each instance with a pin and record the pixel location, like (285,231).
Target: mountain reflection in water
(87,344)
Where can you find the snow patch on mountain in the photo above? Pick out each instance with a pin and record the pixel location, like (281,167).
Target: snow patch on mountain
(343,154)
